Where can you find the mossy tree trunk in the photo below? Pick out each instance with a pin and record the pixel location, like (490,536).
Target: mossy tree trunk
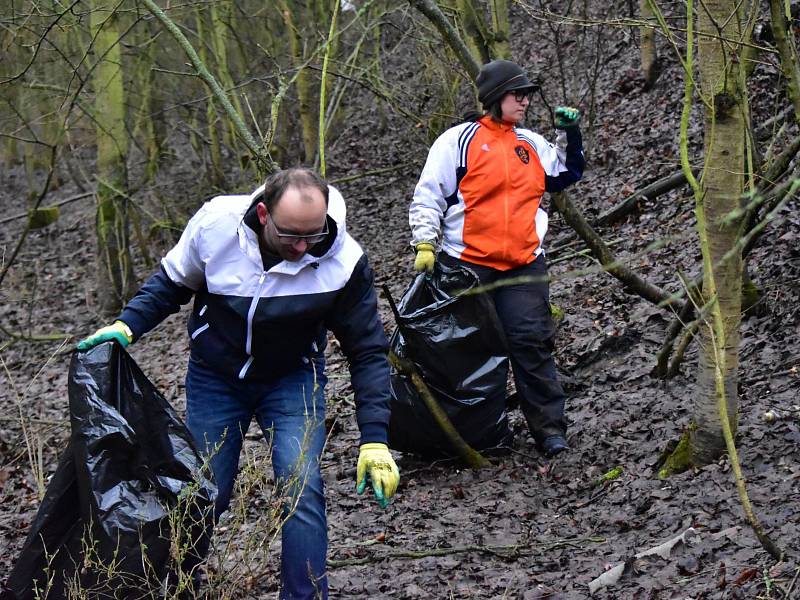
(216,174)
(31,151)
(476,31)
(9,94)
(221,16)
(720,34)
(114,273)
(150,127)
(486,41)
(306,97)
(647,43)
(788,51)
(501,47)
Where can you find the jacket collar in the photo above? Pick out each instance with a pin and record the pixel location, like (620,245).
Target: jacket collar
(250,228)
(492,125)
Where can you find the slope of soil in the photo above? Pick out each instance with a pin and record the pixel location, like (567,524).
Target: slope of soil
(528,527)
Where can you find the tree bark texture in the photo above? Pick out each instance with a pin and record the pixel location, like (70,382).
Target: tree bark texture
(148,127)
(221,14)
(306,102)
(114,273)
(476,30)
(719,29)
(501,29)
(788,51)
(216,174)
(647,44)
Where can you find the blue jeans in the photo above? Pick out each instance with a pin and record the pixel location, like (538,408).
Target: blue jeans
(291,413)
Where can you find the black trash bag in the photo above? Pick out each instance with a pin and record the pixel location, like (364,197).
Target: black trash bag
(457,342)
(128,490)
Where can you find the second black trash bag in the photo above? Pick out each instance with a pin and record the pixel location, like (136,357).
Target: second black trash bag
(129,491)
(457,342)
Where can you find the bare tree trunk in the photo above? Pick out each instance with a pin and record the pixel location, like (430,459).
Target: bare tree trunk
(114,273)
(305,94)
(647,42)
(149,122)
(788,51)
(476,30)
(9,94)
(31,151)
(216,176)
(719,28)
(500,43)
(221,14)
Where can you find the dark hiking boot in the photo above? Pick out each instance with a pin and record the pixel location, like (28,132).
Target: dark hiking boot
(553,445)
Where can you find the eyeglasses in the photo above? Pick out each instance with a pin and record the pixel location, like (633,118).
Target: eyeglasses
(520,95)
(289,238)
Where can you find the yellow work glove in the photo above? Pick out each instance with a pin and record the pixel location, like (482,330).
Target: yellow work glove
(425,257)
(375,460)
(116,331)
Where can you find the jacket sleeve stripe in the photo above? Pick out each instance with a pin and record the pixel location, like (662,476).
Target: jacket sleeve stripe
(463,143)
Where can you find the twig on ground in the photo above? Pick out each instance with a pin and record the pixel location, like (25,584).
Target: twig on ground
(61,203)
(509,551)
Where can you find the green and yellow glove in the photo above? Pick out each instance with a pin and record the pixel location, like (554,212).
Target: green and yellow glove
(375,460)
(116,331)
(425,257)
(567,117)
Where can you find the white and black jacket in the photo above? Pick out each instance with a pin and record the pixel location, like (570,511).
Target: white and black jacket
(253,324)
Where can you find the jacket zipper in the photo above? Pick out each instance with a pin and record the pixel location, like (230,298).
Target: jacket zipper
(250,314)
(505,196)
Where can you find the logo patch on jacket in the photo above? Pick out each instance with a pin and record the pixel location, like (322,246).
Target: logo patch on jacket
(523,154)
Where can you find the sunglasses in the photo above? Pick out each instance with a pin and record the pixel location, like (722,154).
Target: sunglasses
(520,95)
(289,238)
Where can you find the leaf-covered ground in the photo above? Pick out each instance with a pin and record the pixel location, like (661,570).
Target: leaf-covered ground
(528,527)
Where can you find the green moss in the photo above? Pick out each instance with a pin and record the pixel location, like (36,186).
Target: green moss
(43,216)
(680,459)
(557,313)
(610,476)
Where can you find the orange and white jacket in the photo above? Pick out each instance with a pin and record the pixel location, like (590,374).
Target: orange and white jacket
(480,191)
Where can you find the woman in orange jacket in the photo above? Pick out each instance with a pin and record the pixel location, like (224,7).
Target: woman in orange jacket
(479,199)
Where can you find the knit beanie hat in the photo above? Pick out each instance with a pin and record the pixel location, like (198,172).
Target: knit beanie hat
(498,77)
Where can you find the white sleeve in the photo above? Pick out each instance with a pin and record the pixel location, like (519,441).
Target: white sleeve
(184,264)
(436,183)
(552,156)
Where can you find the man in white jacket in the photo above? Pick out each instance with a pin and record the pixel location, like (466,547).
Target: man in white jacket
(270,274)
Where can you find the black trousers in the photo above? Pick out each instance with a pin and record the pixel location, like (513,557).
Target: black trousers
(524,311)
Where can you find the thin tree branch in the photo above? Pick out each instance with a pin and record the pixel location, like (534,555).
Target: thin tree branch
(61,203)
(430,9)
(39,45)
(509,551)
(262,158)
(575,219)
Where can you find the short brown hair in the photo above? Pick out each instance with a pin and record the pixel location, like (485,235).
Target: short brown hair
(496,111)
(280,181)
